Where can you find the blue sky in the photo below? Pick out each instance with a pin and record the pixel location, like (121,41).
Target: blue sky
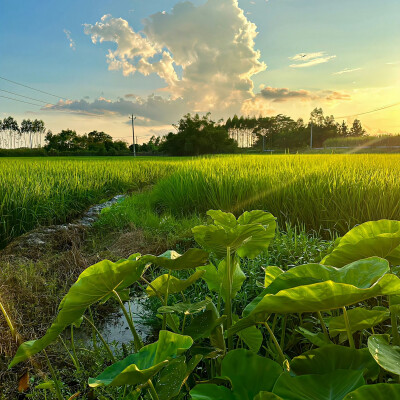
(351,49)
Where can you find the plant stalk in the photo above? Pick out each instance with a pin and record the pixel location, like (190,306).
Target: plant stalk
(69,353)
(348,328)
(54,376)
(73,346)
(152,391)
(228,305)
(107,347)
(323,325)
(281,355)
(8,320)
(137,341)
(164,323)
(395,329)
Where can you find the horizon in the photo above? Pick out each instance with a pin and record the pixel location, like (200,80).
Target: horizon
(159,61)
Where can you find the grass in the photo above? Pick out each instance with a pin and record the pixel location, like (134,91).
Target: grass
(35,191)
(328,192)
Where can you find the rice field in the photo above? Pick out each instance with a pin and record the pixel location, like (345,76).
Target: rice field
(329,192)
(42,191)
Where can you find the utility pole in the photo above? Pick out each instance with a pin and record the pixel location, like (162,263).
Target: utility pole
(311,136)
(132,118)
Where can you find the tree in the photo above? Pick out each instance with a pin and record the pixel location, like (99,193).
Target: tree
(198,135)
(10,125)
(357,129)
(27,129)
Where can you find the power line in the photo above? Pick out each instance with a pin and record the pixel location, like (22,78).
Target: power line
(21,101)
(29,87)
(369,112)
(30,98)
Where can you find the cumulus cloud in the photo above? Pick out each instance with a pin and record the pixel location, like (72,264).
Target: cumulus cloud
(206,54)
(284,94)
(305,60)
(70,40)
(346,71)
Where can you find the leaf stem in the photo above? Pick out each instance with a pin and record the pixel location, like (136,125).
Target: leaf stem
(54,376)
(321,320)
(137,341)
(348,328)
(69,353)
(73,347)
(164,324)
(228,305)
(281,355)
(152,391)
(395,329)
(102,339)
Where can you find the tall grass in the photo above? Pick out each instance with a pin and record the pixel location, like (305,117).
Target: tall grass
(37,191)
(328,192)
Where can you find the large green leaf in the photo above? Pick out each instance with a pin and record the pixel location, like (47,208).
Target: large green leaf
(316,297)
(267,396)
(141,366)
(174,261)
(361,273)
(248,373)
(360,318)
(318,339)
(387,356)
(174,285)
(380,391)
(331,386)
(252,336)
(216,279)
(374,238)
(248,236)
(271,273)
(174,375)
(331,358)
(95,284)
(203,324)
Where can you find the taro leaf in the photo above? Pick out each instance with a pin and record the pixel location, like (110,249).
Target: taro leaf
(251,336)
(174,261)
(174,285)
(209,391)
(216,239)
(387,356)
(93,285)
(379,391)
(203,324)
(331,386)
(333,357)
(271,272)
(220,218)
(267,396)
(216,278)
(248,373)
(248,236)
(139,367)
(174,375)
(257,217)
(361,273)
(185,308)
(317,339)
(173,321)
(360,318)
(374,238)
(316,297)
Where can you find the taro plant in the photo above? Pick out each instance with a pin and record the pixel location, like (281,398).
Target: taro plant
(323,331)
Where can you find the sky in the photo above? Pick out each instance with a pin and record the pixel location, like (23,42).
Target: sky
(101,60)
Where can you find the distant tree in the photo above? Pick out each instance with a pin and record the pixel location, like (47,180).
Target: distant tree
(357,129)
(65,140)
(10,125)
(27,129)
(198,135)
(38,129)
(344,129)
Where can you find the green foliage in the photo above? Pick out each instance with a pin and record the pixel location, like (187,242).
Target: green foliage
(267,354)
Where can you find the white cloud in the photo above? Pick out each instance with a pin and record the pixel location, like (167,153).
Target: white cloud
(346,71)
(305,60)
(70,40)
(211,46)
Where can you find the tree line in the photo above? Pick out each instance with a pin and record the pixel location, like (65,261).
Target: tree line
(197,135)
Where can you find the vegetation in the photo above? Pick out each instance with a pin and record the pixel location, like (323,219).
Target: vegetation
(326,330)
(332,193)
(46,191)
(364,141)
